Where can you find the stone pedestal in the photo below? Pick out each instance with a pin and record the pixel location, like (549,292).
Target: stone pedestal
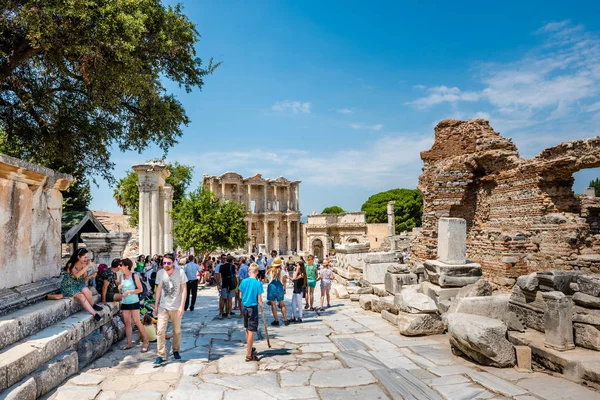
(558,321)
(106,246)
(456,275)
(395,282)
(452,241)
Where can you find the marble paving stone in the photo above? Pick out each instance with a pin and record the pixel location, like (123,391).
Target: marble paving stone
(349,344)
(147,395)
(376,343)
(301,392)
(145,368)
(323,364)
(447,380)
(107,395)
(422,374)
(402,385)
(347,326)
(451,370)
(319,348)
(369,392)
(393,359)
(402,341)
(342,378)
(193,368)
(293,379)
(511,374)
(171,368)
(236,366)
(247,394)
(439,354)
(260,381)
(495,384)
(417,359)
(86,379)
(360,359)
(463,391)
(301,339)
(554,388)
(77,393)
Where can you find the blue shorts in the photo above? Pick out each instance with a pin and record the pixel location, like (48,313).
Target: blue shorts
(275,291)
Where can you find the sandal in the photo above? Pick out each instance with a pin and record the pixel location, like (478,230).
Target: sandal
(126,347)
(145,347)
(253,357)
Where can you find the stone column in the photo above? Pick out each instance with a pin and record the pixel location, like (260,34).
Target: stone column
(275,200)
(558,321)
(161,220)
(297,198)
(223,191)
(297,235)
(154,222)
(391,218)
(266,232)
(289,235)
(265,199)
(287,207)
(168,221)
(250,235)
(144,219)
(212,185)
(249,199)
(277,227)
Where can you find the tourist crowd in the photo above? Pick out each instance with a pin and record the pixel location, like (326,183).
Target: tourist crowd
(159,289)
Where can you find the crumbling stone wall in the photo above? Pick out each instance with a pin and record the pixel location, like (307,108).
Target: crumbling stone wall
(522,215)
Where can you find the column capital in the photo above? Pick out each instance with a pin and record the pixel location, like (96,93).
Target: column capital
(147,186)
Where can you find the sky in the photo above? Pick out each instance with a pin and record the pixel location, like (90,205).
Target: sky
(343,95)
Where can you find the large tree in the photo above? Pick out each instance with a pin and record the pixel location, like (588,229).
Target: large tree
(128,196)
(408,208)
(333,210)
(207,224)
(79,77)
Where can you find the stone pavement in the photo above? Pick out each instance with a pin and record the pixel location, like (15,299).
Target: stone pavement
(344,353)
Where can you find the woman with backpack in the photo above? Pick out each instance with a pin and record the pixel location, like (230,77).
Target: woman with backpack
(131,288)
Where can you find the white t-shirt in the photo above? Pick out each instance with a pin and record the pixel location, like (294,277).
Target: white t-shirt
(170,297)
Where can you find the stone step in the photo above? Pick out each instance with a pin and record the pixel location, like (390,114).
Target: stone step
(12,299)
(44,379)
(25,356)
(29,320)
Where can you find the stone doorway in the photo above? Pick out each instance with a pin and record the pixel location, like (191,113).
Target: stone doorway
(317,248)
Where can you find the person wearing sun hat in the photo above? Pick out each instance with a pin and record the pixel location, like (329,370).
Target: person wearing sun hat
(275,292)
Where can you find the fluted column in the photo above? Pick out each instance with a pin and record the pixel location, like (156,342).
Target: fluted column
(250,235)
(266,226)
(265,198)
(144,219)
(249,199)
(161,221)
(168,222)
(154,221)
(289,235)
(288,197)
(297,235)
(297,198)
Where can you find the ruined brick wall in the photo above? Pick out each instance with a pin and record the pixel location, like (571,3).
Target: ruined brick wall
(522,215)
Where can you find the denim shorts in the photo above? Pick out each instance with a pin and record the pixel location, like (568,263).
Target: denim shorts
(275,291)
(227,293)
(251,318)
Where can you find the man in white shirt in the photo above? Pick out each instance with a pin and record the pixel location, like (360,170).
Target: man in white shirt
(171,292)
(191,270)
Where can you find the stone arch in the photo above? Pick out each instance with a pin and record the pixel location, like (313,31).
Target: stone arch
(318,248)
(352,239)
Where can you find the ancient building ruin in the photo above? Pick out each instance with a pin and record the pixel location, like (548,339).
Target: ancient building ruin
(156,201)
(274,206)
(522,215)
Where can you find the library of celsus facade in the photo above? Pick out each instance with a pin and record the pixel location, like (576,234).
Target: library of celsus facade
(274,219)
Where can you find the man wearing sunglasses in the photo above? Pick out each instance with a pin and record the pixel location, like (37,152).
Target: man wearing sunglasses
(170,298)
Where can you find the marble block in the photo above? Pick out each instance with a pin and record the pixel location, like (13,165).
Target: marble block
(452,275)
(452,240)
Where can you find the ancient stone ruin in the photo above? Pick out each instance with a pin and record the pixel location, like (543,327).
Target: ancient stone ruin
(522,215)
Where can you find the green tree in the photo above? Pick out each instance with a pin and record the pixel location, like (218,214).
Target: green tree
(203,222)
(78,78)
(127,194)
(333,210)
(596,185)
(408,208)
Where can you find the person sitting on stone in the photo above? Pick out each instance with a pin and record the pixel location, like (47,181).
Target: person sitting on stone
(109,278)
(74,279)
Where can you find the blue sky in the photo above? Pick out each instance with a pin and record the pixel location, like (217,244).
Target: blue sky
(343,95)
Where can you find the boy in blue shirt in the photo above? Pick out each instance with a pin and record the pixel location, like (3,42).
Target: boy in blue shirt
(251,290)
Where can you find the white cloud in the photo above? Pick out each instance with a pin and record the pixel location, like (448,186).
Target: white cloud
(420,87)
(375,127)
(297,107)
(390,160)
(444,94)
(345,111)
(556,80)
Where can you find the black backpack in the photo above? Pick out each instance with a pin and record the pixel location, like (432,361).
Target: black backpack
(227,276)
(144,293)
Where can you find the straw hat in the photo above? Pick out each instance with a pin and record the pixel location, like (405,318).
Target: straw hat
(277,263)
